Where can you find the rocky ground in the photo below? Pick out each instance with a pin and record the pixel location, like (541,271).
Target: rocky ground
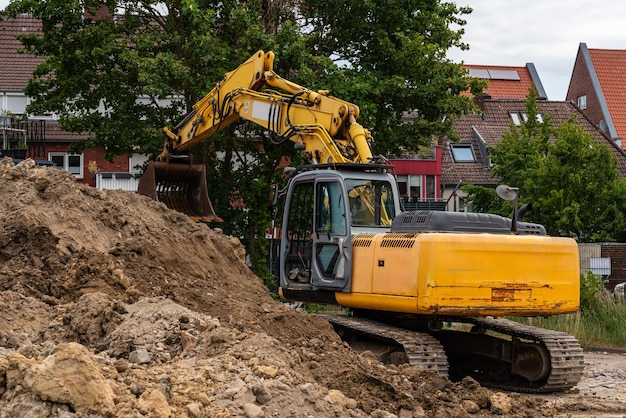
(601,393)
(112,305)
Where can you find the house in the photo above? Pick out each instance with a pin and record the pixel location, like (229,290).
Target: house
(40,136)
(468,160)
(419,177)
(597,87)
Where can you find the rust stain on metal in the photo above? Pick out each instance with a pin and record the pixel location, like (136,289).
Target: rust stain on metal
(510,294)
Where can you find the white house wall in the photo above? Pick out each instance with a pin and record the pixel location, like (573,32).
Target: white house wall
(13,103)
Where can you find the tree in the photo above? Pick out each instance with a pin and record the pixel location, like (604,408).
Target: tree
(122,79)
(115,78)
(395,54)
(572,180)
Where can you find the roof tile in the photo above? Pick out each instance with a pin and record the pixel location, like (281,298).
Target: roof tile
(495,122)
(609,65)
(15,67)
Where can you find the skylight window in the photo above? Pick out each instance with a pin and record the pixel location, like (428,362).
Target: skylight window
(463,153)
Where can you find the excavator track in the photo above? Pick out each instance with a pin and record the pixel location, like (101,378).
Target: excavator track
(421,349)
(566,358)
(528,359)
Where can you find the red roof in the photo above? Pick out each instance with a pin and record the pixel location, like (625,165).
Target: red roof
(15,67)
(610,65)
(505,82)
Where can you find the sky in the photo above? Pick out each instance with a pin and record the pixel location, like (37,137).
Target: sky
(544,32)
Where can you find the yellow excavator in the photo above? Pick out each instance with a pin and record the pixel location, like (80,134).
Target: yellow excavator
(425,287)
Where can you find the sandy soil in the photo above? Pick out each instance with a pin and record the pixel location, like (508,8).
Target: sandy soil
(112,305)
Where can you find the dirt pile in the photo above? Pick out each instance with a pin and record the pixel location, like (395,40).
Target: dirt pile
(112,305)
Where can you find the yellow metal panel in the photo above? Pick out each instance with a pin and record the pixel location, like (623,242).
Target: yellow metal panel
(396,259)
(377,302)
(362,263)
(465,274)
(498,274)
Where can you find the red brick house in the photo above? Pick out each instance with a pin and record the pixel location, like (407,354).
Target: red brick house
(39,136)
(597,87)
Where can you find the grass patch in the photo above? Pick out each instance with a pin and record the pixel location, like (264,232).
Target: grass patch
(601,320)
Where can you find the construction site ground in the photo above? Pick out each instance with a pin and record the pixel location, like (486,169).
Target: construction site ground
(112,305)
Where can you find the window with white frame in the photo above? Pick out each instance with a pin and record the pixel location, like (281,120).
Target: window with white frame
(518,117)
(72,163)
(410,187)
(582,102)
(463,153)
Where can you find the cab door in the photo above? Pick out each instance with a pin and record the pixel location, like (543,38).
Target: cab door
(332,244)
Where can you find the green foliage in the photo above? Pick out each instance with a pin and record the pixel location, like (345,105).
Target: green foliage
(395,58)
(572,180)
(605,324)
(485,200)
(590,285)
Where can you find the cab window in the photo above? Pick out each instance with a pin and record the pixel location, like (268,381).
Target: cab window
(331,213)
(371,202)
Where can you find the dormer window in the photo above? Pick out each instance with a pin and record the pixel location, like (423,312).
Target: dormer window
(515,118)
(463,153)
(582,102)
(518,117)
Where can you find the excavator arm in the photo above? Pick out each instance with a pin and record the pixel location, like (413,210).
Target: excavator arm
(325,127)
(322,126)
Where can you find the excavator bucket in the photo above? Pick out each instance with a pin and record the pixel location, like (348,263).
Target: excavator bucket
(181,187)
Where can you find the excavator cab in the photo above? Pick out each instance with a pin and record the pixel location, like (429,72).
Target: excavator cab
(321,210)
(181,186)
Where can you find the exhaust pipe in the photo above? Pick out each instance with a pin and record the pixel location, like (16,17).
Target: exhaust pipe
(522,211)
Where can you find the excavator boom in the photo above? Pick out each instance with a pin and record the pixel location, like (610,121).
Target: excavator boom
(324,127)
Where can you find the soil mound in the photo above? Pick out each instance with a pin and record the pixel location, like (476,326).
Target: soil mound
(112,305)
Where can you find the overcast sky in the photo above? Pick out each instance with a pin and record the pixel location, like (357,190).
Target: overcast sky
(544,32)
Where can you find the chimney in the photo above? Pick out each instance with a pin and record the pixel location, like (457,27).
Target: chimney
(480,101)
